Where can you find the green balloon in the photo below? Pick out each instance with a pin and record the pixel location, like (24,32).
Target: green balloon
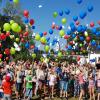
(7,27)
(59,54)
(12,51)
(15,27)
(47,48)
(12,21)
(80,44)
(64,21)
(37,37)
(33,55)
(55,14)
(62,33)
(16,1)
(43,40)
(18,29)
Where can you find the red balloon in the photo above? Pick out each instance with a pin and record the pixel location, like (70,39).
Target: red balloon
(7,58)
(66,36)
(32,46)
(7,51)
(2,36)
(21,35)
(57,27)
(92,24)
(78,58)
(22,40)
(53,26)
(71,42)
(88,38)
(7,34)
(26,13)
(0,56)
(77,22)
(0,45)
(26,34)
(45,33)
(31,21)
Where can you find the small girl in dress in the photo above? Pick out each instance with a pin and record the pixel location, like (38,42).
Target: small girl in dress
(52,80)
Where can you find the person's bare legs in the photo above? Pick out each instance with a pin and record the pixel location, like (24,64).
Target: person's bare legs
(81,94)
(98,96)
(52,91)
(93,93)
(90,92)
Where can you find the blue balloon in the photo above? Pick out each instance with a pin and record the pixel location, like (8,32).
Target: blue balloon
(61,13)
(69,47)
(81,38)
(98,34)
(90,8)
(60,27)
(48,38)
(98,47)
(73,28)
(11,0)
(82,14)
(79,28)
(75,18)
(51,31)
(35,49)
(71,24)
(41,34)
(27,45)
(79,1)
(94,30)
(67,12)
(26,20)
(69,32)
(93,43)
(84,28)
(55,40)
(33,27)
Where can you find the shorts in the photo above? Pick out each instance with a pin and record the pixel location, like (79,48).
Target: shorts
(64,86)
(18,87)
(98,90)
(1,94)
(28,93)
(82,86)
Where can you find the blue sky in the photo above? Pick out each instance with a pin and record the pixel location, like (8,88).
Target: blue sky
(43,16)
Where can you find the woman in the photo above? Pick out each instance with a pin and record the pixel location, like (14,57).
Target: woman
(91,86)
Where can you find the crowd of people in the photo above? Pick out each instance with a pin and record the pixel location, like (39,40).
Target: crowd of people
(52,79)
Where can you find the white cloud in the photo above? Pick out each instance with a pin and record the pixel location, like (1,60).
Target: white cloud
(40,6)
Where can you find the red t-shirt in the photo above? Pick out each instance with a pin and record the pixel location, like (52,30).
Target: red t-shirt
(7,87)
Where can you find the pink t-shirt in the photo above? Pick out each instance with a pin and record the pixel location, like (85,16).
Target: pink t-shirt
(81,80)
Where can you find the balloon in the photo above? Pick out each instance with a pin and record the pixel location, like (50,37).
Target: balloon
(88,38)
(66,36)
(27,45)
(46,48)
(45,33)
(32,47)
(55,14)
(43,40)
(73,28)
(79,28)
(7,34)
(48,39)
(94,30)
(53,26)
(7,27)
(78,58)
(2,36)
(61,13)
(14,27)
(80,44)
(59,54)
(41,34)
(73,35)
(69,32)
(64,21)
(12,21)
(17,39)
(33,55)
(26,34)
(98,34)
(37,37)
(99,22)
(90,8)
(77,22)
(12,51)
(98,47)
(36,49)
(81,38)
(69,47)
(16,1)
(62,33)
(12,36)
(92,24)
(84,28)
(31,21)
(93,42)
(50,31)
(26,20)
(75,18)
(82,14)
(67,12)
(0,45)
(79,1)
(26,13)
(86,34)
(7,51)
(18,29)
(1,56)
(33,27)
